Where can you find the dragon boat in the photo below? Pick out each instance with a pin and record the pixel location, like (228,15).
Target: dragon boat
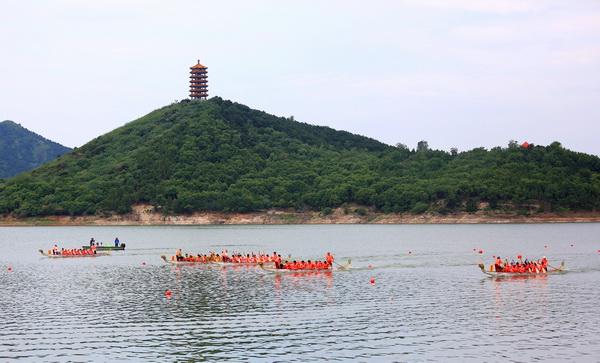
(288,270)
(120,247)
(492,272)
(97,254)
(174,261)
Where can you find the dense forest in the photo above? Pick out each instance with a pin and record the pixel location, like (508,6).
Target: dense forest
(219,155)
(22,150)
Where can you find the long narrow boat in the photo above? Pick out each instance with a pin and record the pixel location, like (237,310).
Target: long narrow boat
(175,262)
(506,273)
(287,270)
(97,254)
(120,247)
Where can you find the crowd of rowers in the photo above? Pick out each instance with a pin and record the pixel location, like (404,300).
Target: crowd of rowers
(275,258)
(521,265)
(73,251)
(224,257)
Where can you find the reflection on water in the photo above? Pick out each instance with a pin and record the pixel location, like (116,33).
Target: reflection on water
(433,304)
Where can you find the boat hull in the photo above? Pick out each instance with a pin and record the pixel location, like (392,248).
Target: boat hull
(120,247)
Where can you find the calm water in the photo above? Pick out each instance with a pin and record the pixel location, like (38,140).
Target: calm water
(432,304)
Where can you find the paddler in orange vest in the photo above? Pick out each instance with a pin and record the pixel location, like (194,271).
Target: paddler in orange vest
(498,264)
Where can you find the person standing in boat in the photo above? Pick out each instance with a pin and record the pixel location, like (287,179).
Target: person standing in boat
(498,264)
(92,242)
(116,241)
(329,259)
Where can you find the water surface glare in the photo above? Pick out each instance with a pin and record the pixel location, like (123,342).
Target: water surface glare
(414,293)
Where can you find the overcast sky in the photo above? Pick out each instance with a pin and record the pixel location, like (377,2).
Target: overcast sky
(456,73)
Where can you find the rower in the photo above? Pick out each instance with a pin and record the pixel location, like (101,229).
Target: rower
(178,255)
(55,250)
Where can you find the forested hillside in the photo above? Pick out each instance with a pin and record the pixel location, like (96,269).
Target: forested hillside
(222,156)
(22,150)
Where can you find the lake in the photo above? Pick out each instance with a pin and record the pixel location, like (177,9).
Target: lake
(414,293)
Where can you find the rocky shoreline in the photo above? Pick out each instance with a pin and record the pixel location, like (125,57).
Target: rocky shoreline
(143,215)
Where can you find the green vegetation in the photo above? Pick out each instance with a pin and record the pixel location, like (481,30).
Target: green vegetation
(22,150)
(222,156)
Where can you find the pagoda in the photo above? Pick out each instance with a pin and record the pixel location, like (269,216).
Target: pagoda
(198,82)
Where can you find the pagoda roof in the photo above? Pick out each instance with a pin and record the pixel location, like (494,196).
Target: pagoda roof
(197,66)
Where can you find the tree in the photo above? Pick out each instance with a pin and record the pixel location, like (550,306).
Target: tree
(422,145)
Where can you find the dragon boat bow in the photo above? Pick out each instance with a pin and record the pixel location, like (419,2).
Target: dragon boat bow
(188,262)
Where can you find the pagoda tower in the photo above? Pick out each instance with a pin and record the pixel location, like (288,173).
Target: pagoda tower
(198,82)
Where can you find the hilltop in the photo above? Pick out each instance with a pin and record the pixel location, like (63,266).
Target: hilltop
(225,158)
(23,150)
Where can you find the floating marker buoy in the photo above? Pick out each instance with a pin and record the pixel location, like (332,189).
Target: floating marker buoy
(369,266)
(409,252)
(169,292)
(143,263)
(480,251)
(372,281)
(545,246)
(10,268)
(391,298)
(571,245)
(519,256)
(474,249)
(494,256)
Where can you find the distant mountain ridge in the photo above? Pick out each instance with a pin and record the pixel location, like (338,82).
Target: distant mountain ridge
(23,150)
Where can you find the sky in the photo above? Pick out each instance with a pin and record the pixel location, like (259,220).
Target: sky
(458,74)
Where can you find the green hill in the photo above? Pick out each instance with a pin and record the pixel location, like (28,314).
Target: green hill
(22,150)
(222,156)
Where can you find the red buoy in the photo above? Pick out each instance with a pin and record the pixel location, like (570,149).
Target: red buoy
(409,252)
(143,263)
(545,246)
(372,281)
(370,266)
(480,251)
(10,268)
(169,292)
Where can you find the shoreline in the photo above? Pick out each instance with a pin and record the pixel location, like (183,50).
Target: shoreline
(143,215)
